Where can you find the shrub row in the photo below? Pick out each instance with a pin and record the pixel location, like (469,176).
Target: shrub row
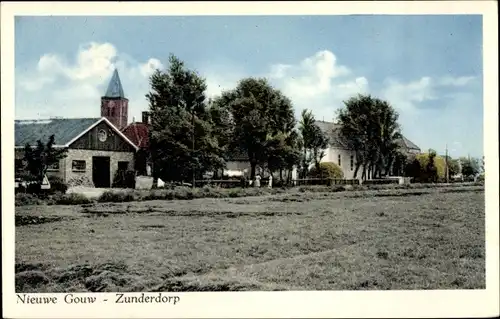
(186,193)
(23,199)
(179,193)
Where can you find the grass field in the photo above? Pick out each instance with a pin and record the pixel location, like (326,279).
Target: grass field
(392,239)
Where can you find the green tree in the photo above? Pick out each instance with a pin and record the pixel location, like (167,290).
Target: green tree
(222,122)
(453,165)
(430,168)
(283,153)
(38,159)
(426,167)
(371,128)
(263,123)
(182,145)
(314,141)
(470,166)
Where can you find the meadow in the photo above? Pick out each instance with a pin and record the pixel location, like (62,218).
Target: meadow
(378,239)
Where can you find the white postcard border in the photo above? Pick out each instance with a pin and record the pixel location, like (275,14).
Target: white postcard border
(419,303)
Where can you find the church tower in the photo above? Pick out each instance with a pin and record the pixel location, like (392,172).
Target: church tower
(114,105)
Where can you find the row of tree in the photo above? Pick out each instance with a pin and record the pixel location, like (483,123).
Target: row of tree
(191,135)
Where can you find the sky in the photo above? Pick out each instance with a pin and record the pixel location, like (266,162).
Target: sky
(428,67)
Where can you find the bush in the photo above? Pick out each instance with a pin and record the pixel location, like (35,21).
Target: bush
(480,178)
(124,179)
(422,171)
(130,179)
(385,181)
(57,185)
(72,199)
(327,170)
(29,280)
(33,188)
(183,193)
(117,197)
(23,199)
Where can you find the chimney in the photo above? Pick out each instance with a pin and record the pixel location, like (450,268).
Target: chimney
(146,117)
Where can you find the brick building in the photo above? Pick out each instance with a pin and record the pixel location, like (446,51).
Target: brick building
(138,133)
(97,148)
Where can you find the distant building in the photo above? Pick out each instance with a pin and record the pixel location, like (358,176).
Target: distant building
(239,165)
(97,148)
(339,153)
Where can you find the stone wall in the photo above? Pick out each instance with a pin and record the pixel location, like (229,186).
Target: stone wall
(65,171)
(86,155)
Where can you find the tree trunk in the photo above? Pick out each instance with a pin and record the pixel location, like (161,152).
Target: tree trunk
(253,164)
(356,169)
(303,172)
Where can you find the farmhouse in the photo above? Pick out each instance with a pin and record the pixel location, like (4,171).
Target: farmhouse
(97,147)
(339,153)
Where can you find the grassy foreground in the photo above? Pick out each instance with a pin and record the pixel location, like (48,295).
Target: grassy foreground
(375,239)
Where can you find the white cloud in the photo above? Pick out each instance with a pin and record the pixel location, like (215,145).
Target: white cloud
(460,81)
(149,67)
(318,83)
(404,96)
(36,83)
(408,96)
(73,89)
(312,76)
(217,83)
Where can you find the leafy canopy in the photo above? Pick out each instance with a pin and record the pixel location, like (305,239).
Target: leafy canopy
(259,121)
(180,118)
(39,158)
(370,127)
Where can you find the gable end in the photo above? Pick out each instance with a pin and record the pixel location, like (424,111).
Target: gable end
(103,136)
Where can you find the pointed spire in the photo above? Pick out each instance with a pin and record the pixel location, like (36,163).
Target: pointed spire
(115,89)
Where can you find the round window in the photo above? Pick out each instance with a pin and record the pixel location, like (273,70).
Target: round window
(102,135)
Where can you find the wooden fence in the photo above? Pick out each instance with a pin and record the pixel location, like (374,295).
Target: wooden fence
(324,181)
(224,183)
(231,183)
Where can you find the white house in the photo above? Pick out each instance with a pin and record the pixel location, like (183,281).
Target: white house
(337,152)
(239,166)
(345,158)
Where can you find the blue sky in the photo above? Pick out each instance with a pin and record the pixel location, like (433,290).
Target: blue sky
(428,67)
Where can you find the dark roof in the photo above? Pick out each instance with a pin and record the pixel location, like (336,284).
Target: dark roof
(64,130)
(406,143)
(138,133)
(334,135)
(332,132)
(115,89)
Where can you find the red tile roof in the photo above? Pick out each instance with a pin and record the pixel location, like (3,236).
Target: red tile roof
(138,133)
